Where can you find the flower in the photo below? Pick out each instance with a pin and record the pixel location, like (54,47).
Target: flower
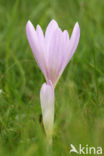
(53,50)
(47,105)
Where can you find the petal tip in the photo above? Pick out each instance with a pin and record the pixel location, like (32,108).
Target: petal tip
(53,22)
(77,26)
(28,23)
(29,28)
(38,27)
(77,23)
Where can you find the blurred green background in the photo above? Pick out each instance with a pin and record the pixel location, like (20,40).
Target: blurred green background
(79,104)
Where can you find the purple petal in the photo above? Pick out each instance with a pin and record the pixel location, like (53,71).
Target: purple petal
(73,43)
(49,32)
(47,105)
(36,41)
(74,39)
(50,28)
(57,49)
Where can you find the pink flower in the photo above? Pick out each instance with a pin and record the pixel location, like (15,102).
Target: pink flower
(53,50)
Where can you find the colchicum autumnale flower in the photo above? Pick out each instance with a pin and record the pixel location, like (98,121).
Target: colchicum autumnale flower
(52,53)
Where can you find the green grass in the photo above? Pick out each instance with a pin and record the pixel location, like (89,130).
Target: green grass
(79,103)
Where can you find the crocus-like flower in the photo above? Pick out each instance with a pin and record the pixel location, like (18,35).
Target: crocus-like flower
(52,52)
